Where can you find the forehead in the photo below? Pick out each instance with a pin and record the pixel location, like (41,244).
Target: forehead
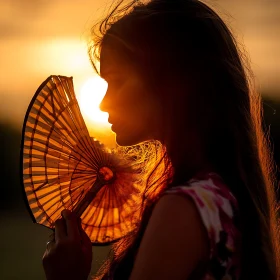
(114,57)
(109,58)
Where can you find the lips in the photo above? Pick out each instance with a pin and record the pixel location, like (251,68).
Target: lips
(112,120)
(113,128)
(117,124)
(112,123)
(117,127)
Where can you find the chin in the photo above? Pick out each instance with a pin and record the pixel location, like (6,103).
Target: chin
(130,140)
(126,141)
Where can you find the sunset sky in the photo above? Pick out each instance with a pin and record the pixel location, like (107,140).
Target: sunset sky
(44,37)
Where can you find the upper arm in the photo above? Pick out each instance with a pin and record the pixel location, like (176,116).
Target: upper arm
(174,242)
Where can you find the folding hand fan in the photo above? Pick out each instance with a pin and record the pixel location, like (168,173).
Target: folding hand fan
(64,168)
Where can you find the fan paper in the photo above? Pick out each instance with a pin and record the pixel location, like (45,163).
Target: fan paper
(63,167)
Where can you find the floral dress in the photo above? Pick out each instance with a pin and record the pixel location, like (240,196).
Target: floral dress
(218,209)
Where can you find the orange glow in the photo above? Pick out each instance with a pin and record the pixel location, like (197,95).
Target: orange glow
(91,95)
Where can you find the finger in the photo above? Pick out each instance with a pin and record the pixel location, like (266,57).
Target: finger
(60,230)
(49,246)
(79,223)
(84,237)
(71,224)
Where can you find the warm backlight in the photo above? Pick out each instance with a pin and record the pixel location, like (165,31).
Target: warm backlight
(90,97)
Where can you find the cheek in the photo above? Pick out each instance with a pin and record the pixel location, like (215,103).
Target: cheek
(131,101)
(138,121)
(141,123)
(137,109)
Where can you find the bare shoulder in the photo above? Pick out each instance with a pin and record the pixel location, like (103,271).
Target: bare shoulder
(175,241)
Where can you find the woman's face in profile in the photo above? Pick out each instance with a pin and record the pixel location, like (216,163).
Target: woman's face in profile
(133,110)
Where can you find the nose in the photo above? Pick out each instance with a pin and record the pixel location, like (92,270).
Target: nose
(106,104)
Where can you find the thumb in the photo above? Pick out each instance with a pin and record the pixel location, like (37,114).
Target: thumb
(71,224)
(84,236)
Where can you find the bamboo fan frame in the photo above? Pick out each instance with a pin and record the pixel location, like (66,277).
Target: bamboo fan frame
(63,167)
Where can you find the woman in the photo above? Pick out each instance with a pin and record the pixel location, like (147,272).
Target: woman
(175,74)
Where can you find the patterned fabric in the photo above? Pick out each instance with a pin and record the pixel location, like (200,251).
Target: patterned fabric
(219,212)
(218,209)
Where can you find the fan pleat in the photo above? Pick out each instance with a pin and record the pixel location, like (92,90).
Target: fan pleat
(61,162)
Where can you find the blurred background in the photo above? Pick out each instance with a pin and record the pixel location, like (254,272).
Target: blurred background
(39,38)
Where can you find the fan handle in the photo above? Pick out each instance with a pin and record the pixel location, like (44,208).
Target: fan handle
(90,195)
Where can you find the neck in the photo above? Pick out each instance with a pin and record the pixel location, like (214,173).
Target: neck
(188,158)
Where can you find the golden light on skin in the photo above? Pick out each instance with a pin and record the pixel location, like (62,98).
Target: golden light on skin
(89,98)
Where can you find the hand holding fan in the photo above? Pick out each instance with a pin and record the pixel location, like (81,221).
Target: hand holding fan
(64,168)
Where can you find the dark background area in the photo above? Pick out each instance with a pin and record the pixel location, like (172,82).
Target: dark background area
(39,38)
(22,243)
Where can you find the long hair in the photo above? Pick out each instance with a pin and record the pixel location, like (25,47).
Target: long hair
(190,57)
